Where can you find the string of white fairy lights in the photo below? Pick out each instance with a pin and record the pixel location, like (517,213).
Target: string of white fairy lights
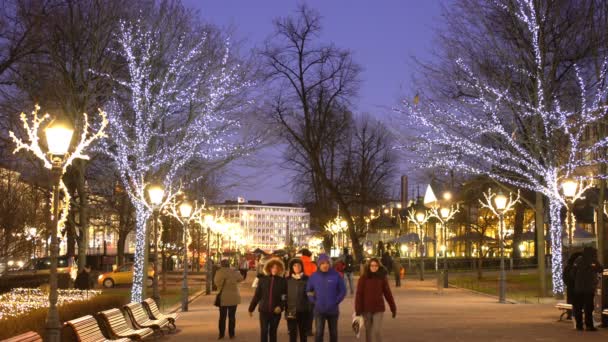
(516,141)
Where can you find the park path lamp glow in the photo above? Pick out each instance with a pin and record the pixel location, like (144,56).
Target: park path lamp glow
(522,249)
(499,205)
(57,158)
(185,211)
(573,191)
(419,216)
(444,212)
(156,194)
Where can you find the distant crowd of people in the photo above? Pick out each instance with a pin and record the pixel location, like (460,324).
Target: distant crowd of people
(305,293)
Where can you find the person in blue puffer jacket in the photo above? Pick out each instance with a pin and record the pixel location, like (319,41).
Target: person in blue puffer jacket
(326,289)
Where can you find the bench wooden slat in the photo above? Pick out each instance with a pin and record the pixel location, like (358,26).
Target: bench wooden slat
(119,328)
(155,313)
(29,336)
(87,330)
(140,318)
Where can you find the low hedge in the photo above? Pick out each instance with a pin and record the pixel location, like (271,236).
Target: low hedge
(35,320)
(9,282)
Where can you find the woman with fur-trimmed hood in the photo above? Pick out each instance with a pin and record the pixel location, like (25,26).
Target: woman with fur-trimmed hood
(298,310)
(372,289)
(271,295)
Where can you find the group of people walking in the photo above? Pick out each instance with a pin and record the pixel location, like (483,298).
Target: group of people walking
(305,293)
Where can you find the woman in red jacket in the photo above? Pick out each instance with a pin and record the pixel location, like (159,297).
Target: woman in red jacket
(372,289)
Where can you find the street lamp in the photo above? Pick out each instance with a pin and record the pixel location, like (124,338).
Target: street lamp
(500,204)
(570,187)
(185,210)
(58,137)
(208,220)
(444,212)
(156,193)
(419,216)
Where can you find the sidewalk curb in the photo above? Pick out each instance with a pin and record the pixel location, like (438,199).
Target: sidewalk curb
(178,306)
(508,301)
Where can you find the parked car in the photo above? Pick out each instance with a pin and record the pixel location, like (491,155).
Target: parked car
(123,275)
(65,264)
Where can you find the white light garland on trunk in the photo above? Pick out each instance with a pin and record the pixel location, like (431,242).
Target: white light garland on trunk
(168,112)
(531,144)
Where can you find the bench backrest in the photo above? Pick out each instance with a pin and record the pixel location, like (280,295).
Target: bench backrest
(138,314)
(86,329)
(153,307)
(29,336)
(116,321)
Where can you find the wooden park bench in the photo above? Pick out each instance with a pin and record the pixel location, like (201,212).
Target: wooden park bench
(564,308)
(29,336)
(117,324)
(155,313)
(141,319)
(87,329)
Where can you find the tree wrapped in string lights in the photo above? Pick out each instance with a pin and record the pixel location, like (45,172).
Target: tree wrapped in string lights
(175,107)
(533,143)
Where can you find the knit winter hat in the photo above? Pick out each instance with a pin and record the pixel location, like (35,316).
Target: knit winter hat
(323,258)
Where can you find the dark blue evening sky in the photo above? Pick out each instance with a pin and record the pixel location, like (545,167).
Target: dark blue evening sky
(383,35)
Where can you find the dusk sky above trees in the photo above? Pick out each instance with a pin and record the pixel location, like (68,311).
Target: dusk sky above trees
(384,38)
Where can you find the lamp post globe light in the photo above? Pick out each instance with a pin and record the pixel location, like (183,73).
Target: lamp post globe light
(570,187)
(419,216)
(500,204)
(208,221)
(58,137)
(185,210)
(156,194)
(57,158)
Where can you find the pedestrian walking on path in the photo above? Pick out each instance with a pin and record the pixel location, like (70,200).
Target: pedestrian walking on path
(326,290)
(372,289)
(309,268)
(226,280)
(397,271)
(298,312)
(348,269)
(585,273)
(270,294)
(568,277)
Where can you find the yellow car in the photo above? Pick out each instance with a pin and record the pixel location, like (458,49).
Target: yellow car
(122,275)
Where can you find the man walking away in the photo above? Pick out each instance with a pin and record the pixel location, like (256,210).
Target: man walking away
(83,279)
(326,290)
(348,269)
(586,270)
(397,270)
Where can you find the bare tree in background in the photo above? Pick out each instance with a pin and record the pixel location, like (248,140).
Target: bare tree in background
(313,84)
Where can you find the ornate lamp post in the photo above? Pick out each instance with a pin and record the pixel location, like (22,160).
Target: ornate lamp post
(185,211)
(443,211)
(500,204)
(57,158)
(570,187)
(208,221)
(419,217)
(156,193)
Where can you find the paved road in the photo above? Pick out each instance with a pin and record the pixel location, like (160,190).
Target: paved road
(423,315)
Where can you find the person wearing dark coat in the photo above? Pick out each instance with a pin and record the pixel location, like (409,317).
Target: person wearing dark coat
(568,279)
(298,309)
(585,274)
(270,294)
(387,261)
(372,289)
(83,279)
